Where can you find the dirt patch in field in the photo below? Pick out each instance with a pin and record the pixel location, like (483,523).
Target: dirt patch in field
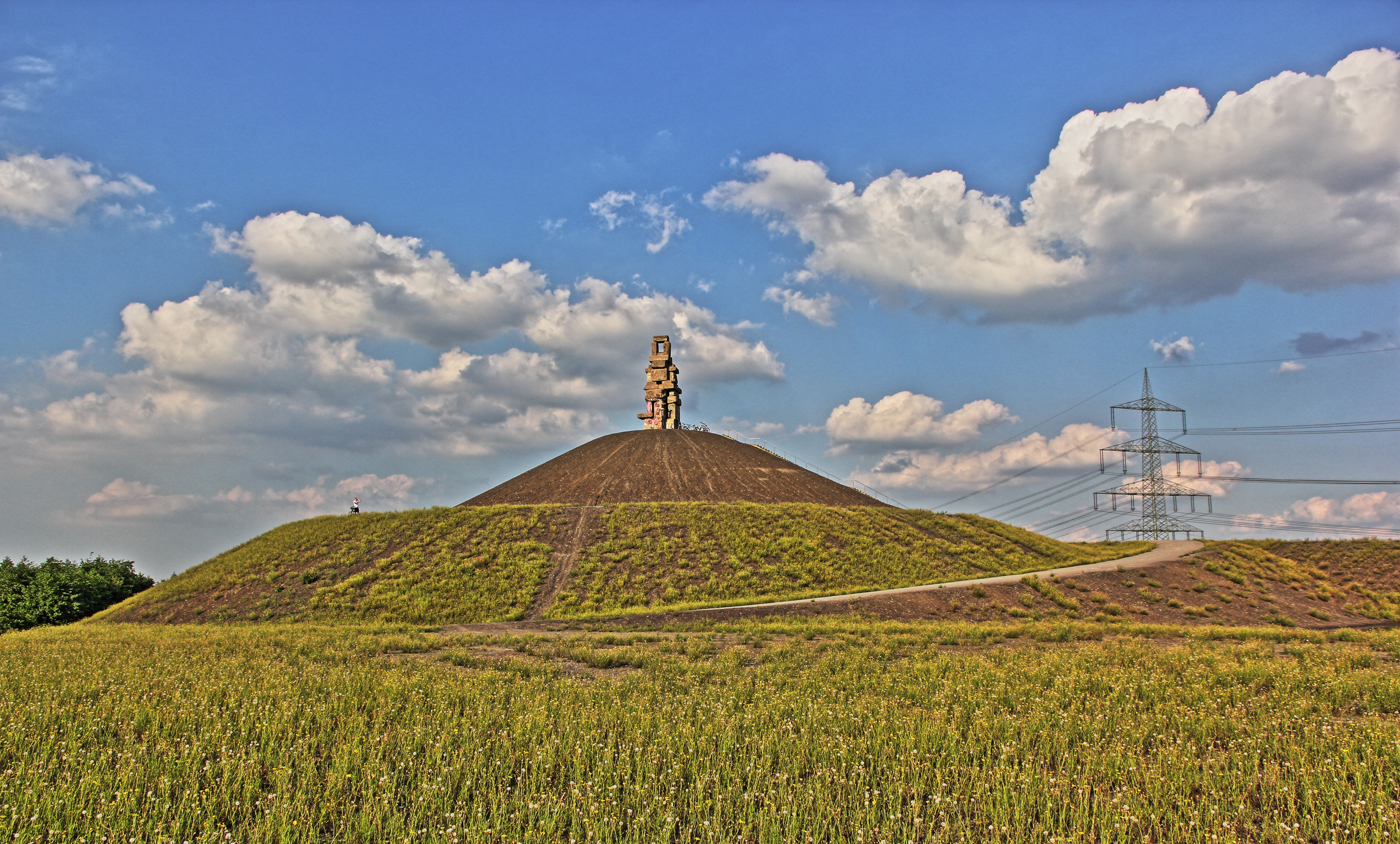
(655,466)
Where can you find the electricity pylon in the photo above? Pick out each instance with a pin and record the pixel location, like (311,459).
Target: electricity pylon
(1151,488)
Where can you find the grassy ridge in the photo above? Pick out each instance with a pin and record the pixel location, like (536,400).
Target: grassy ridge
(472,564)
(1361,576)
(440,565)
(664,556)
(835,730)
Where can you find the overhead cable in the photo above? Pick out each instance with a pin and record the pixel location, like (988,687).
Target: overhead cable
(1276,360)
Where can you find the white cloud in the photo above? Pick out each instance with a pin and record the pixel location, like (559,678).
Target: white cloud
(818,309)
(1180,350)
(123,499)
(608,207)
(66,367)
(132,500)
(1370,509)
(659,217)
(28,78)
(35,190)
(326,275)
(663,220)
(1293,184)
(283,360)
(1218,469)
(910,420)
(1291,366)
(137,215)
(929,470)
(757,429)
(590,331)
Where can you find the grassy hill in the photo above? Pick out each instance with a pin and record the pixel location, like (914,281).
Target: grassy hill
(473,564)
(1360,576)
(691,555)
(422,566)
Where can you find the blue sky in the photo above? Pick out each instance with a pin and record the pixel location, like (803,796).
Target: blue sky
(258,258)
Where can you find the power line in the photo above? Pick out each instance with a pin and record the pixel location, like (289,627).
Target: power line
(1024,471)
(1031,507)
(1347,481)
(1090,523)
(1058,522)
(1276,360)
(1226,519)
(1032,429)
(1050,490)
(1372,426)
(1152,488)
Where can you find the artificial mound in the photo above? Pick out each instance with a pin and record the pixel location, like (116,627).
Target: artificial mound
(668,465)
(465,565)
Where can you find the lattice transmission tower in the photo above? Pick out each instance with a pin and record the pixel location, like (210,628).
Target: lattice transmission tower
(1151,488)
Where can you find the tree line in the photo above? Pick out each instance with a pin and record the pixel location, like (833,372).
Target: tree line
(62,591)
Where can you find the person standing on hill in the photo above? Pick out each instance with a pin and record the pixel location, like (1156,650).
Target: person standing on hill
(355,506)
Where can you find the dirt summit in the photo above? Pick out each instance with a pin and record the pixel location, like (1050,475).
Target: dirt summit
(670,465)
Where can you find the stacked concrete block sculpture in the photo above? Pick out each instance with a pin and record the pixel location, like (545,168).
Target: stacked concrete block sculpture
(663,393)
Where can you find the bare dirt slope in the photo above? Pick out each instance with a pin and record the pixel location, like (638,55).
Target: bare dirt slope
(654,466)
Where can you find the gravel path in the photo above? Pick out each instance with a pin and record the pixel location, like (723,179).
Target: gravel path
(1165,551)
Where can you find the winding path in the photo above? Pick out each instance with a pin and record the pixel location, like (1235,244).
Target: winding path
(1165,551)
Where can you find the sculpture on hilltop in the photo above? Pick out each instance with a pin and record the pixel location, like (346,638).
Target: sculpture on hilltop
(663,392)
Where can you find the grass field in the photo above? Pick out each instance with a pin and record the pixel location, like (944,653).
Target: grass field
(470,564)
(1358,575)
(439,565)
(665,556)
(827,730)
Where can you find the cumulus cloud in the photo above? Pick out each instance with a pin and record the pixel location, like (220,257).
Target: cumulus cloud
(1370,509)
(1290,366)
(1213,468)
(66,367)
(283,359)
(132,500)
(819,309)
(1311,343)
(1293,183)
(35,190)
(1180,350)
(910,420)
(1076,447)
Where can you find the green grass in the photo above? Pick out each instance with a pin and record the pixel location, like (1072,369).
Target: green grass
(1358,575)
(441,565)
(834,730)
(672,556)
(473,564)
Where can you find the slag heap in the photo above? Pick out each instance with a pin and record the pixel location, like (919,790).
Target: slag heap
(663,394)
